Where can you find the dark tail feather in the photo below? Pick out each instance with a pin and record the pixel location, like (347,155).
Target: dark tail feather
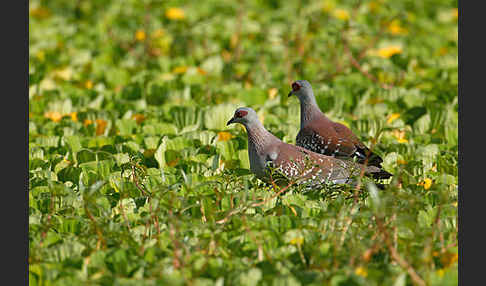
(382,174)
(373,159)
(381,186)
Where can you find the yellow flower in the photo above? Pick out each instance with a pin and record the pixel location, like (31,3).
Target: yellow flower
(74,116)
(400,136)
(224,136)
(179,70)
(426,183)
(175,14)
(55,116)
(140,35)
(395,29)
(297,241)
(392,117)
(341,14)
(361,271)
(139,118)
(87,122)
(272,93)
(388,51)
(448,259)
(100,126)
(401,162)
(455,13)
(440,272)
(88,84)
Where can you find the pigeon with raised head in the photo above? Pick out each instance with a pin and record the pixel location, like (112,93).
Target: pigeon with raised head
(267,152)
(320,134)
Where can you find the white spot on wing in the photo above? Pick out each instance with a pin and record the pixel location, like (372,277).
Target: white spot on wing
(273,156)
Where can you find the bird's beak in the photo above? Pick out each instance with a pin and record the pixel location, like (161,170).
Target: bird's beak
(290,93)
(232,120)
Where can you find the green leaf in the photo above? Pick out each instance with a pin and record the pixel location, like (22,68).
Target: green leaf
(151,142)
(251,277)
(160,153)
(159,129)
(375,200)
(126,126)
(73,142)
(413,114)
(69,174)
(157,95)
(216,117)
(85,155)
(401,280)
(48,141)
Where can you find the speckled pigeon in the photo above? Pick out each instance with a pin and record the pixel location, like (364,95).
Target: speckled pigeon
(320,134)
(292,162)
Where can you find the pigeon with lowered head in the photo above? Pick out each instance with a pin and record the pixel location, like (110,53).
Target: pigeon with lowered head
(266,151)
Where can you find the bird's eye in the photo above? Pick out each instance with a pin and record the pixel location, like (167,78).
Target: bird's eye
(241,113)
(295,86)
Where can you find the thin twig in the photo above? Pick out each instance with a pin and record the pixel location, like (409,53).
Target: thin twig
(177,247)
(95,226)
(396,256)
(357,65)
(257,242)
(254,205)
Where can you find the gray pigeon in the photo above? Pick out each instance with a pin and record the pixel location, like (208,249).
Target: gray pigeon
(320,134)
(267,152)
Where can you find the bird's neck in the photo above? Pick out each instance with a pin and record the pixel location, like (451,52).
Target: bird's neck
(258,136)
(308,109)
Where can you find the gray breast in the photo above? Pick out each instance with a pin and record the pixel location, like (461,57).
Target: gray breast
(257,162)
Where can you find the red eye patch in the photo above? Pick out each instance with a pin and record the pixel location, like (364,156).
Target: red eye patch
(295,86)
(241,113)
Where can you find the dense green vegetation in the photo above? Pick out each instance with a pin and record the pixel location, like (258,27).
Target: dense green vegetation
(134,179)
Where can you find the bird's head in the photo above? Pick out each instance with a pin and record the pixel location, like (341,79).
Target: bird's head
(303,90)
(244,115)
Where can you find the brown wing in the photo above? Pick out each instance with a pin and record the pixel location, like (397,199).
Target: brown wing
(305,166)
(344,132)
(361,151)
(321,137)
